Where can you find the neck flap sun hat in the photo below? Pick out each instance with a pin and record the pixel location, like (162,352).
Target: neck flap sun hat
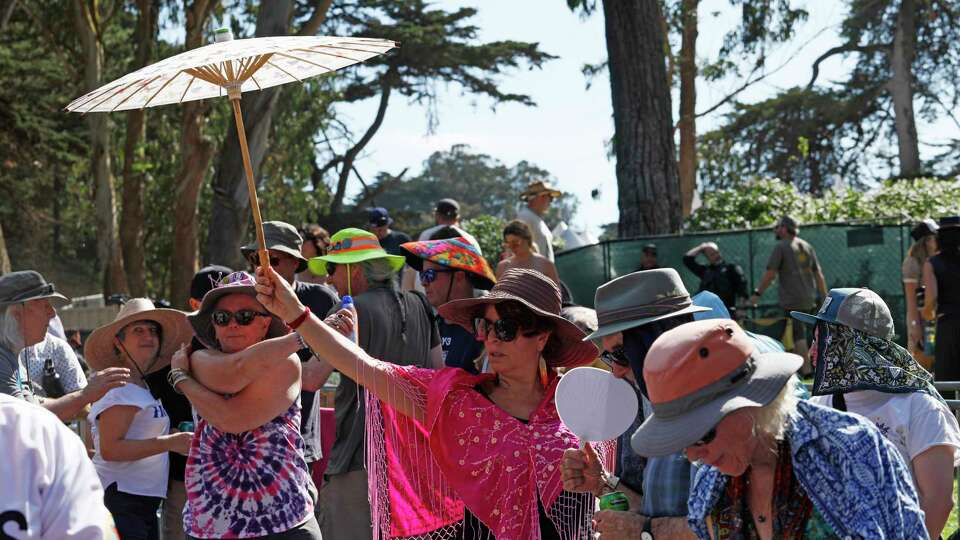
(279,236)
(100,352)
(855,347)
(699,372)
(539,294)
(19,287)
(641,298)
(235,283)
(456,253)
(352,246)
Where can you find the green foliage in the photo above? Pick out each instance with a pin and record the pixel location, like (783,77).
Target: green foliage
(488,230)
(811,138)
(760,203)
(480,183)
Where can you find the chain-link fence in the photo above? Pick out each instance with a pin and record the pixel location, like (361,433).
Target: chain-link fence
(851,255)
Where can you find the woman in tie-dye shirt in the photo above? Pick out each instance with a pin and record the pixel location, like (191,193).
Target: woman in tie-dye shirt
(246,476)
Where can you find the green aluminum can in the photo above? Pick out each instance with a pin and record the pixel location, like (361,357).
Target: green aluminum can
(615,501)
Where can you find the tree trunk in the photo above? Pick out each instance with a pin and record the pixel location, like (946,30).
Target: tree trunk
(647,182)
(131,212)
(901,88)
(5,267)
(688,105)
(230,215)
(108,241)
(195,153)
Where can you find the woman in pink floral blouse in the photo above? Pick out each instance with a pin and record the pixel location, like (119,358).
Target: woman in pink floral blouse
(495,440)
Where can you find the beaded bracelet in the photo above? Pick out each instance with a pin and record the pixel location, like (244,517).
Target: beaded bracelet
(175,377)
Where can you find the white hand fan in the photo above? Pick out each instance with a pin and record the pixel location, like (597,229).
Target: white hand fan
(595,405)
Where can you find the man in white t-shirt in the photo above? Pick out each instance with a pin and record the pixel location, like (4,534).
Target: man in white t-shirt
(858,368)
(538,196)
(49,487)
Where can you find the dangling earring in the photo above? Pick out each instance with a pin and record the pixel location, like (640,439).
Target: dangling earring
(543,372)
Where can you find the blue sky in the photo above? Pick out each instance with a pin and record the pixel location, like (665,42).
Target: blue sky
(566,132)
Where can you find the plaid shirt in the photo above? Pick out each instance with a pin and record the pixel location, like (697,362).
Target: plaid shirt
(666,482)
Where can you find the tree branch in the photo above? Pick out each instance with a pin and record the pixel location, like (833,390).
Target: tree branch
(319,15)
(726,99)
(842,49)
(371,194)
(351,155)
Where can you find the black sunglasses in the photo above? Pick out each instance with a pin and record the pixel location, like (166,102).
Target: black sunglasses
(430,275)
(244,317)
(255,260)
(707,438)
(331,268)
(616,357)
(506,330)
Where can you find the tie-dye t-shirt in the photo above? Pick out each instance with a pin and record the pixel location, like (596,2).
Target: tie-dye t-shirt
(248,484)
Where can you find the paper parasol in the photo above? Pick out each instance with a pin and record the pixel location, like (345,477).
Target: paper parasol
(229,67)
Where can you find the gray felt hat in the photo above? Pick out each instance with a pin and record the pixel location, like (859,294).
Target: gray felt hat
(280,236)
(640,298)
(19,287)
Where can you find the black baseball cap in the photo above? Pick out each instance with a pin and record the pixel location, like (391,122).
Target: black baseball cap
(206,279)
(448,207)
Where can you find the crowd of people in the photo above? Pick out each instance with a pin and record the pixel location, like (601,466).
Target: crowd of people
(446,421)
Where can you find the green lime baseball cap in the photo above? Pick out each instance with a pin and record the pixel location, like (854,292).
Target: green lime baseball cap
(351,246)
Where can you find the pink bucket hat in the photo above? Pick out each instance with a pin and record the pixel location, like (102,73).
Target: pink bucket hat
(700,372)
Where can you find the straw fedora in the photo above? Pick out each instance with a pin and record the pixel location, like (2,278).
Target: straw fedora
(539,294)
(235,283)
(100,353)
(536,188)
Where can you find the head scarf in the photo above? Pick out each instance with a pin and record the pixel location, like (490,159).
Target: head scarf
(849,360)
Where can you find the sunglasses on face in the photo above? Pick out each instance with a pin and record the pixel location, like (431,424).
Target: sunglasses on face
(243,317)
(431,274)
(331,268)
(506,330)
(255,260)
(616,357)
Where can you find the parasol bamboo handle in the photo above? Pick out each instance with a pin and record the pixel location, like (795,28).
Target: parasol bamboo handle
(251,185)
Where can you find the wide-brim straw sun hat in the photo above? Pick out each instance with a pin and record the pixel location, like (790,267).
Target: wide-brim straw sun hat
(699,372)
(235,283)
(100,352)
(539,294)
(352,246)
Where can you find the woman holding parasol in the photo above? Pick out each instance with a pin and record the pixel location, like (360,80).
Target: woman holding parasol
(493,433)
